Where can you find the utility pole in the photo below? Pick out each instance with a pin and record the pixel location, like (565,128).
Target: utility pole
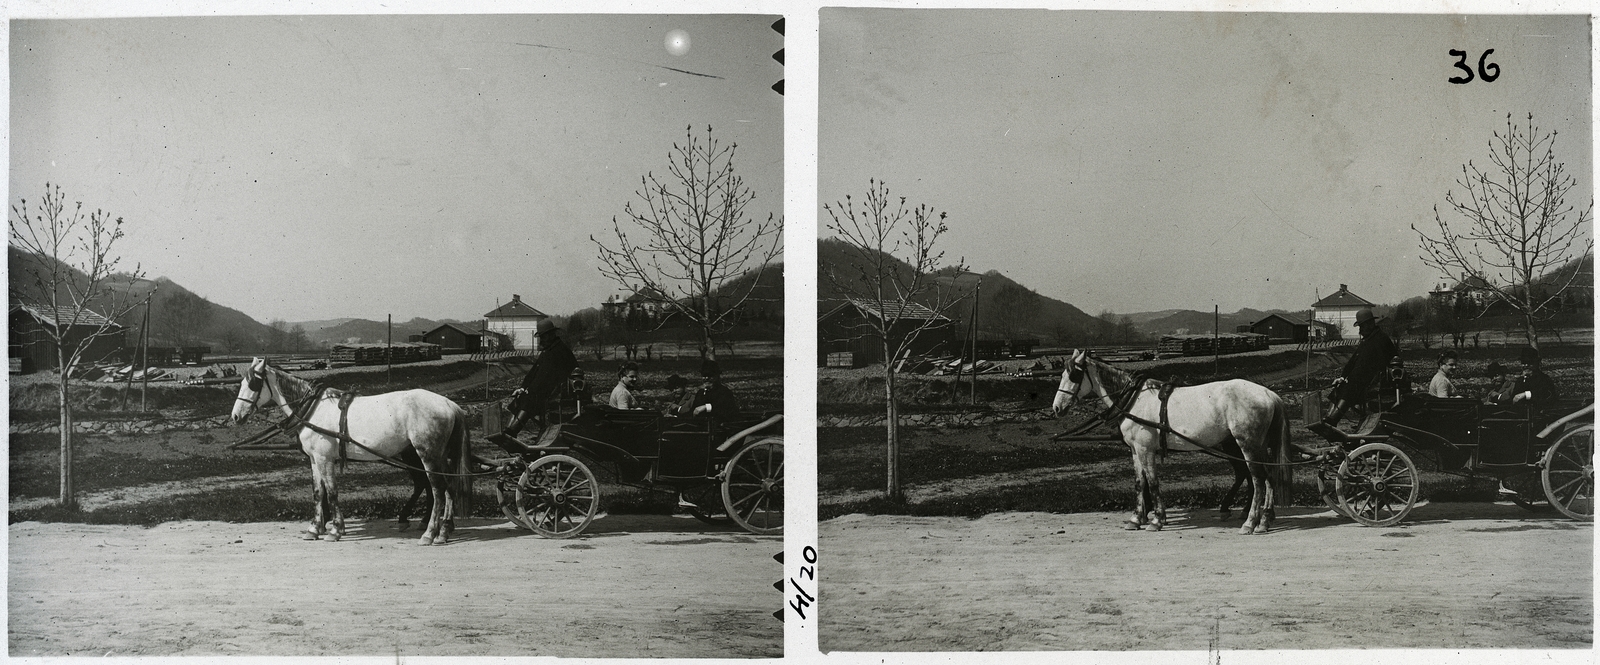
(388,356)
(144,363)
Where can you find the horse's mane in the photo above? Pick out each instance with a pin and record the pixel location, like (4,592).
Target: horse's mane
(295,389)
(1114,380)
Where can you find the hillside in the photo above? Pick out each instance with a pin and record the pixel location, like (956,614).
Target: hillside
(1005,308)
(178,316)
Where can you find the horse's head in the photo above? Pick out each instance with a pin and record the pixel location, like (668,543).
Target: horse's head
(253,390)
(1073,384)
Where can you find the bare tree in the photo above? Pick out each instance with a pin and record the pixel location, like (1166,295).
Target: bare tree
(69,275)
(696,238)
(1012,309)
(890,269)
(1515,226)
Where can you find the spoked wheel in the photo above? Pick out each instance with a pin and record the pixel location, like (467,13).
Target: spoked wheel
(1569,474)
(706,502)
(752,487)
(1377,484)
(557,496)
(505,491)
(1328,491)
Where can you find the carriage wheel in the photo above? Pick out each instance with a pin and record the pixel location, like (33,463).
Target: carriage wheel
(1377,484)
(557,496)
(752,487)
(1569,473)
(1329,493)
(505,491)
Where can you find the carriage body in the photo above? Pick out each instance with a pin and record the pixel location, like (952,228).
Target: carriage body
(1539,456)
(728,470)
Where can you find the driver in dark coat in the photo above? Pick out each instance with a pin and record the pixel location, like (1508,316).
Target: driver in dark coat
(1371,357)
(554,364)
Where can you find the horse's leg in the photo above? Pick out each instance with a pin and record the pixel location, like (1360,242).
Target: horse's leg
(1140,494)
(1153,486)
(331,477)
(419,485)
(435,514)
(319,501)
(1270,480)
(1258,491)
(1241,473)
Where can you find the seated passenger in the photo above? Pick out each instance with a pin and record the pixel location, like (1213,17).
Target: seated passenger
(1500,387)
(622,396)
(1441,385)
(714,398)
(1533,386)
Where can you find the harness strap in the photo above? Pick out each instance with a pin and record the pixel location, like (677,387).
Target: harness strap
(344,425)
(1164,393)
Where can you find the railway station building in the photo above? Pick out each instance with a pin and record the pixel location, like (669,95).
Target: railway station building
(1339,310)
(516,321)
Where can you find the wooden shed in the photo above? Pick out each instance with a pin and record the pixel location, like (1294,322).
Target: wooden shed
(1282,329)
(851,327)
(452,338)
(32,349)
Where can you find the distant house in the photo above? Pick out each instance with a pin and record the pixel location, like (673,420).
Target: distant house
(32,349)
(639,311)
(1340,310)
(452,338)
(848,328)
(1281,329)
(516,321)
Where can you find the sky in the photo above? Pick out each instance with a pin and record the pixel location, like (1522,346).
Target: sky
(313,167)
(1137,161)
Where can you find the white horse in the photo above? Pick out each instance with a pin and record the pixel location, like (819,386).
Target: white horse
(1208,416)
(379,426)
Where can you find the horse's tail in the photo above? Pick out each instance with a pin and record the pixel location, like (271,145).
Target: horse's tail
(1282,452)
(461,449)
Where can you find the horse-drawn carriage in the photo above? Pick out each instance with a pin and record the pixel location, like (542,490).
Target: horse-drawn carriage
(725,470)
(549,488)
(1548,454)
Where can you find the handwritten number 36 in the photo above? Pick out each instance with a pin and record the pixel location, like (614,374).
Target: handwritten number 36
(1487,71)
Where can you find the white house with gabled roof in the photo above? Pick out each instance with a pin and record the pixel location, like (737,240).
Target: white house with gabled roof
(1339,310)
(516,320)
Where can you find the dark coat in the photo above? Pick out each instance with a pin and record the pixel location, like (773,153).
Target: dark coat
(1544,390)
(551,369)
(1372,356)
(724,406)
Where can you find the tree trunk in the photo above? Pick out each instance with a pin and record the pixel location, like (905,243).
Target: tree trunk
(1531,331)
(891,423)
(68,499)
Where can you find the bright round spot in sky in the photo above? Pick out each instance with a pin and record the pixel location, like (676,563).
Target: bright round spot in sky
(677,42)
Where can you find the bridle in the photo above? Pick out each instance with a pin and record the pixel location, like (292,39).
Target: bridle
(256,382)
(1075,374)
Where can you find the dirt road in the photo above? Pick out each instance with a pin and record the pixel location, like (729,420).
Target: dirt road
(641,586)
(1456,575)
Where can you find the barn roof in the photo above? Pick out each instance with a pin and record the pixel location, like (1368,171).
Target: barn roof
(1288,319)
(515,308)
(52,316)
(1343,298)
(454,327)
(890,310)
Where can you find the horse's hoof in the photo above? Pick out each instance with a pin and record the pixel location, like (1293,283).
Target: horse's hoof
(425,540)
(334,537)
(1246,530)
(1130,526)
(1155,526)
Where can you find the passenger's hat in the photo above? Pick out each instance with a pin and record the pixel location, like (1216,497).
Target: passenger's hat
(1495,368)
(544,327)
(1366,316)
(710,368)
(1528,356)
